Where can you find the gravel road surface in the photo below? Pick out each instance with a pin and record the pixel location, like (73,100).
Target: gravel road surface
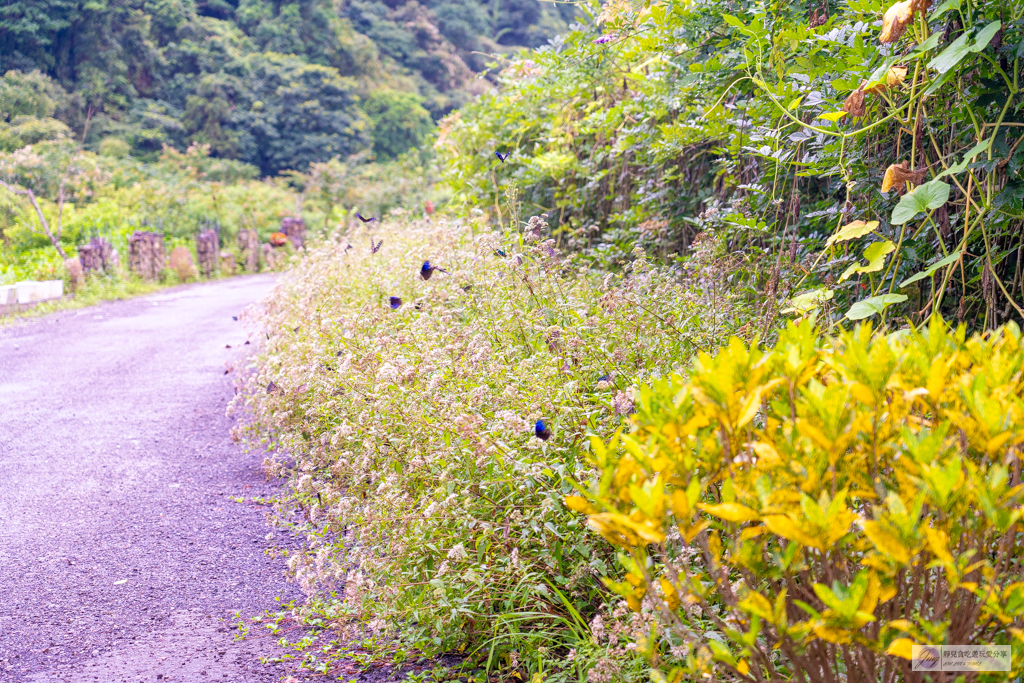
(122,555)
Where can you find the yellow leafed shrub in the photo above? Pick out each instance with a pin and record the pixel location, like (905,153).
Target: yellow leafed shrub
(811,511)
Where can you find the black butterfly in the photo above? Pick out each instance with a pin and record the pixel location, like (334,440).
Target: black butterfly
(319,499)
(542,431)
(426,270)
(502,158)
(395,302)
(499,252)
(604,378)
(271,388)
(375,247)
(366,220)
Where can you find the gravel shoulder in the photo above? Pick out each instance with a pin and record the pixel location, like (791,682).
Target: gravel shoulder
(122,555)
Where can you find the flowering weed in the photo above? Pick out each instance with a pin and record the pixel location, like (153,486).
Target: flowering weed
(429,444)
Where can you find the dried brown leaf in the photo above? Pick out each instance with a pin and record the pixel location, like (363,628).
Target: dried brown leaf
(854,103)
(895,21)
(898,175)
(893,77)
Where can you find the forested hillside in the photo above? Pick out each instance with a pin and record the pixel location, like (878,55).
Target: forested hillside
(274,84)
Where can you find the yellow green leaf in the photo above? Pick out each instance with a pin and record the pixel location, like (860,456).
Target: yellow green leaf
(852,231)
(901,647)
(731,512)
(783,526)
(886,543)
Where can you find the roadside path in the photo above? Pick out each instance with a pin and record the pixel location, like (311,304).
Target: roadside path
(121,552)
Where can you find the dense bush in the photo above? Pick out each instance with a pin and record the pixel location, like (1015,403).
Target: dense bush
(809,133)
(809,511)
(407,427)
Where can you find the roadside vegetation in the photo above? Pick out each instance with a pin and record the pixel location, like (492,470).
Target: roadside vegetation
(686,348)
(718,195)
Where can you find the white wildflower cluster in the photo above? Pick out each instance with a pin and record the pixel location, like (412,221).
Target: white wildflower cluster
(419,424)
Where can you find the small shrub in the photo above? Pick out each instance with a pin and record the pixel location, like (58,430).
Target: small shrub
(810,511)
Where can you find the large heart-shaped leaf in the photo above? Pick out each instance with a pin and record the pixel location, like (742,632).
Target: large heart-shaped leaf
(876,304)
(808,301)
(925,197)
(875,254)
(852,231)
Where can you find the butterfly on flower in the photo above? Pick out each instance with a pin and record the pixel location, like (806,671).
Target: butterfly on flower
(272,387)
(365,220)
(542,431)
(605,381)
(501,157)
(394,302)
(501,253)
(426,270)
(374,248)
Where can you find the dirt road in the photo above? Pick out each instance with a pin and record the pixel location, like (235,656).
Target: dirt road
(121,551)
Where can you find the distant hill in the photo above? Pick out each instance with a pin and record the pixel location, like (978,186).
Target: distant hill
(274,84)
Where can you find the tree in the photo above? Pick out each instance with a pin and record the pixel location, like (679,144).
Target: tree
(399,121)
(295,113)
(48,170)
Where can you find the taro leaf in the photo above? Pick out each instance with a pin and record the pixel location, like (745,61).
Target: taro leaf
(962,166)
(852,231)
(925,197)
(952,258)
(875,254)
(876,304)
(963,46)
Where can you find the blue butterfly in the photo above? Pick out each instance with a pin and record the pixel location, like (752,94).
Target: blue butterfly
(366,220)
(502,158)
(499,252)
(395,303)
(426,270)
(542,431)
(374,248)
(604,378)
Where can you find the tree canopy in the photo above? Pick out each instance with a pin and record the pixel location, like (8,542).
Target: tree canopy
(275,84)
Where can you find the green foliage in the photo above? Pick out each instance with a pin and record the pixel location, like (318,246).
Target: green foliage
(408,434)
(400,122)
(814,509)
(273,84)
(298,113)
(781,123)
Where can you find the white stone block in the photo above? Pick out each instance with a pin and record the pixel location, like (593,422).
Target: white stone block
(55,289)
(28,291)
